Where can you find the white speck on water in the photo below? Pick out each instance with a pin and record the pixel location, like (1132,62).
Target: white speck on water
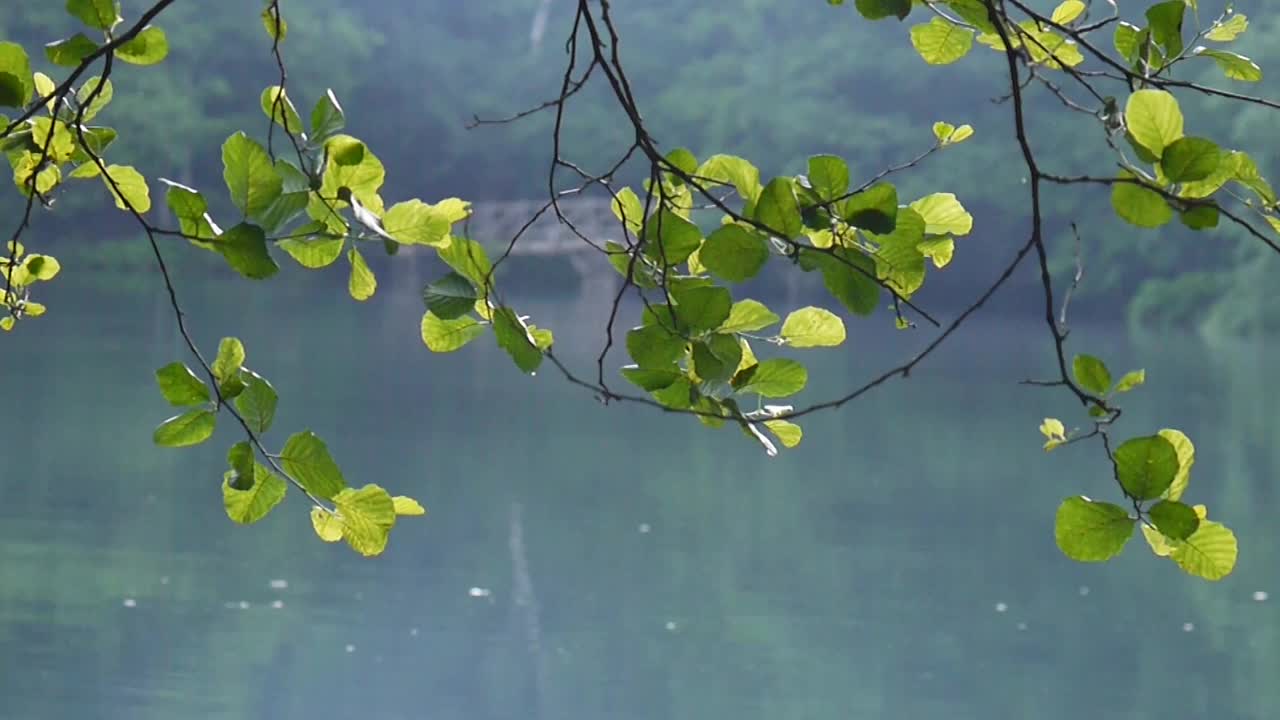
(479,592)
(1188,627)
(279,584)
(1022,626)
(1084,590)
(413,632)
(671,626)
(130,603)
(1260,596)
(277,604)
(1001,607)
(164,579)
(350,648)
(243,604)
(644,528)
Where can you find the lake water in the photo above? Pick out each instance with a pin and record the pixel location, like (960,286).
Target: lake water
(579,561)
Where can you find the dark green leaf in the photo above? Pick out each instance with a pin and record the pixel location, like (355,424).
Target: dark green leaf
(874,209)
(1146,466)
(250,174)
(513,336)
(1200,217)
(716,358)
(878,9)
(1139,205)
(450,297)
(734,253)
(70,51)
(98,14)
(828,176)
(327,118)
(245,249)
(653,347)
(778,210)
(1166,25)
(1174,519)
(776,377)
(247,505)
(650,379)
(702,308)
(257,403)
(670,238)
(1190,158)
(16,81)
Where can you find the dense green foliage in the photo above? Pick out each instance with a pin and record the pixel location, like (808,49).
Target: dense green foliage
(695,231)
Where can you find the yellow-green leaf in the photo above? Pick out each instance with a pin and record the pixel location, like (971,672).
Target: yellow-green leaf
(326,524)
(813,327)
(407,506)
(361,284)
(1210,552)
(941,42)
(1186,453)
(131,186)
(1154,119)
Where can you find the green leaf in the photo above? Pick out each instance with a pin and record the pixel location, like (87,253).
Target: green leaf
(279,109)
(1128,41)
(353,166)
(249,505)
(275,25)
(257,403)
(1139,205)
(1068,11)
(146,48)
(16,81)
(306,458)
(469,259)
(899,261)
(1146,466)
(185,430)
(513,336)
(1131,380)
(848,275)
(813,327)
(702,308)
(734,253)
(1089,531)
(94,100)
(1174,519)
(1230,29)
(654,347)
(1190,158)
(68,52)
(1209,553)
(1165,20)
(230,359)
(1200,217)
(450,297)
(250,175)
(416,223)
(941,42)
(788,433)
(327,117)
(943,215)
(628,209)
(1234,65)
(748,316)
(1186,454)
(1092,374)
(407,506)
(650,379)
(828,176)
(775,378)
(361,284)
(778,210)
(670,238)
(874,209)
(245,249)
(716,358)
(326,524)
(1154,119)
(878,9)
(367,516)
(180,386)
(939,250)
(132,188)
(99,14)
(735,171)
(448,335)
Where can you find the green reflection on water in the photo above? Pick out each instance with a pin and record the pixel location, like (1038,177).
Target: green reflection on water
(899,564)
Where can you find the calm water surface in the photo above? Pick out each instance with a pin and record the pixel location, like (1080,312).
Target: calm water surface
(586,562)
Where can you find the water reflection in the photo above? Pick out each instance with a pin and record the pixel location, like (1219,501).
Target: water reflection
(900,564)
